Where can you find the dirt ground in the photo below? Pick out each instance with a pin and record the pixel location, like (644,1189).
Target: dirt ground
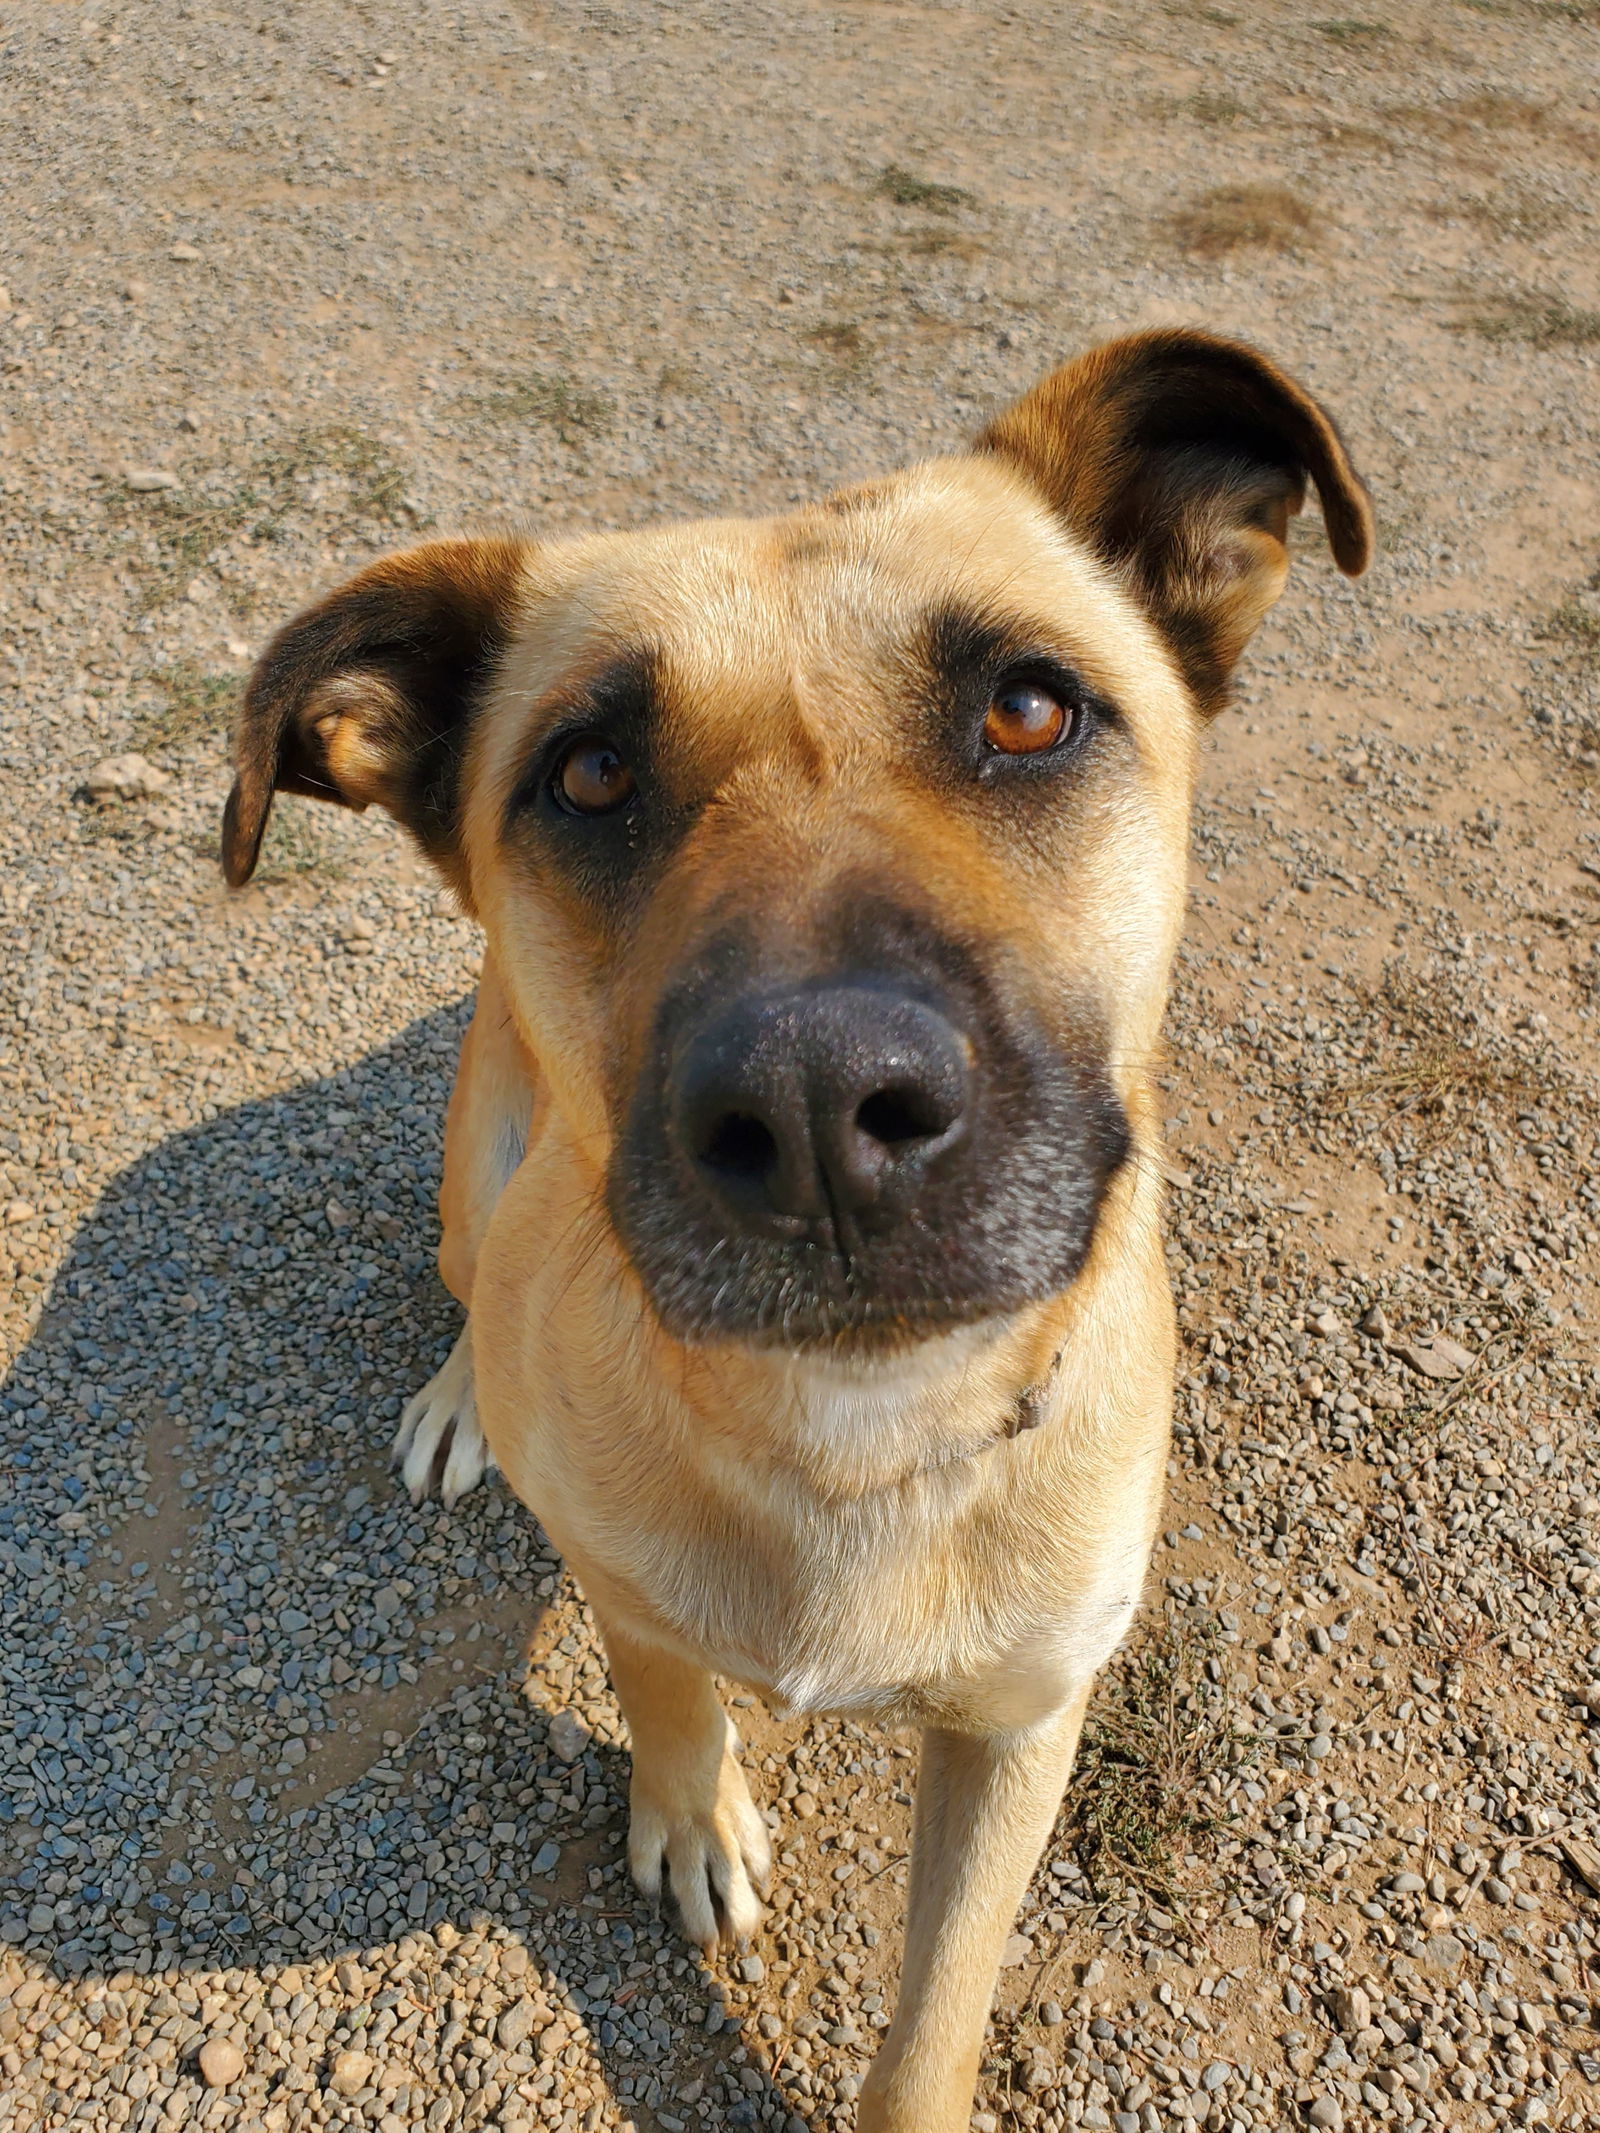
(290,1836)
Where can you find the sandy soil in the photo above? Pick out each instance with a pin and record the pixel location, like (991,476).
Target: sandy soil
(281,288)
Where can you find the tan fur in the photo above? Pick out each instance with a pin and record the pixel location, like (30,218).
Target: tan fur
(857,1529)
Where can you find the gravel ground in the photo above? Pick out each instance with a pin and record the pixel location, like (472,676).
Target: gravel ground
(292,1835)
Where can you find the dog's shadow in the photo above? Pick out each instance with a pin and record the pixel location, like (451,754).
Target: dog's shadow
(259,1711)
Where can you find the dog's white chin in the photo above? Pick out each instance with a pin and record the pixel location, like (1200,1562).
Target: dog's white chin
(894,1410)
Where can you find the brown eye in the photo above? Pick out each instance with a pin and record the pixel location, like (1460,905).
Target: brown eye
(1024,720)
(592,779)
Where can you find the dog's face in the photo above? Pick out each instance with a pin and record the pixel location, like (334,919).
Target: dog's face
(835,862)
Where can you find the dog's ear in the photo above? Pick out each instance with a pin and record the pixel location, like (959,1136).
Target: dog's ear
(369,695)
(1179,458)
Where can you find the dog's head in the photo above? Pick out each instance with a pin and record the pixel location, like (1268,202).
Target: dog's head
(834,863)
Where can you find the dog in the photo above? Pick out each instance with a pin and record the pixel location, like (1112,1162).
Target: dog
(802,1172)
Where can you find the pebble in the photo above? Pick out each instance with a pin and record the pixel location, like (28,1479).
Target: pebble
(127,777)
(569,1736)
(221,2062)
(349,2073)
(149,481)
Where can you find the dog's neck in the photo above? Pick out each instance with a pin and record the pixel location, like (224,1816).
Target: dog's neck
(850,1428)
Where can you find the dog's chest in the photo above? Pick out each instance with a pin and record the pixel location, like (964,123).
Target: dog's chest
(939,1603)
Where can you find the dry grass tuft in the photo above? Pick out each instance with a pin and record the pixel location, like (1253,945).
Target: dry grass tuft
(1232,217)
(553,399)
(1214,107)
(198,707)
(842,341)
(1349,30)
(906,189)
(340,477)
(1513,212)
(1469,117)
(1576,622)
(1429,1065)
(1139,1800)
(1533,319)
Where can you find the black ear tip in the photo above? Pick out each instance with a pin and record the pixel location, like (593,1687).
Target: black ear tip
(242,829)
(1351,533)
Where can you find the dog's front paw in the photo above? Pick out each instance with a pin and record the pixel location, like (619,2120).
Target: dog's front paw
(712,1842)
(440,1441)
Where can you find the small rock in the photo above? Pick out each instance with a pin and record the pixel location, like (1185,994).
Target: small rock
(221,2062)
(1350,2008)
(1374,1322)
(516,2025)
(183,252)
(1434,1356)
(1017,1950)
(350,2073)
(1407,1884)
(546,1859)
(147,481)
(1326,2114)
(189,423)
(569,1736)
(20,1211)
(1051,2014)
(126,777)
(1443,1952)
(135,292)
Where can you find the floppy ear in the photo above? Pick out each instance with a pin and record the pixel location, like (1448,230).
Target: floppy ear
(370,694)
(1179,458)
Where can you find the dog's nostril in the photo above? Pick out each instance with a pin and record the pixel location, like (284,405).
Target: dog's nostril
(893,1116)
(739,1145)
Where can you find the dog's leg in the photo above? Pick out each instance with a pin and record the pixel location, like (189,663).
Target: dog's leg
(485,1136)
(985,1805)
(690,1810)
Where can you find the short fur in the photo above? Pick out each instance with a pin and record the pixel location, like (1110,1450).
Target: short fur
(911,1471)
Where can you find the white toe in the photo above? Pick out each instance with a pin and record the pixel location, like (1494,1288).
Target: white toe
(439,1429)
(718,1859)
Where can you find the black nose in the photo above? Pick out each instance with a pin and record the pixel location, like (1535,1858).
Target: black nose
(824,1103)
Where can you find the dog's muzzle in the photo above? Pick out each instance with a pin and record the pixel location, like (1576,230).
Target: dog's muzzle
(864,1158)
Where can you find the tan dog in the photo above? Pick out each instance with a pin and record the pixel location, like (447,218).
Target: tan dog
(802,1170)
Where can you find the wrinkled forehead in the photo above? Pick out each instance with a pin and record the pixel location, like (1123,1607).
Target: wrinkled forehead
(810,606)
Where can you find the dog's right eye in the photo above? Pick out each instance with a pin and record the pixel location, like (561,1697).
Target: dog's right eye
(592,778)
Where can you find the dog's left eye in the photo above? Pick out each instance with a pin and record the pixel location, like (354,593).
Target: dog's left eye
(592,778)
(1024,718)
